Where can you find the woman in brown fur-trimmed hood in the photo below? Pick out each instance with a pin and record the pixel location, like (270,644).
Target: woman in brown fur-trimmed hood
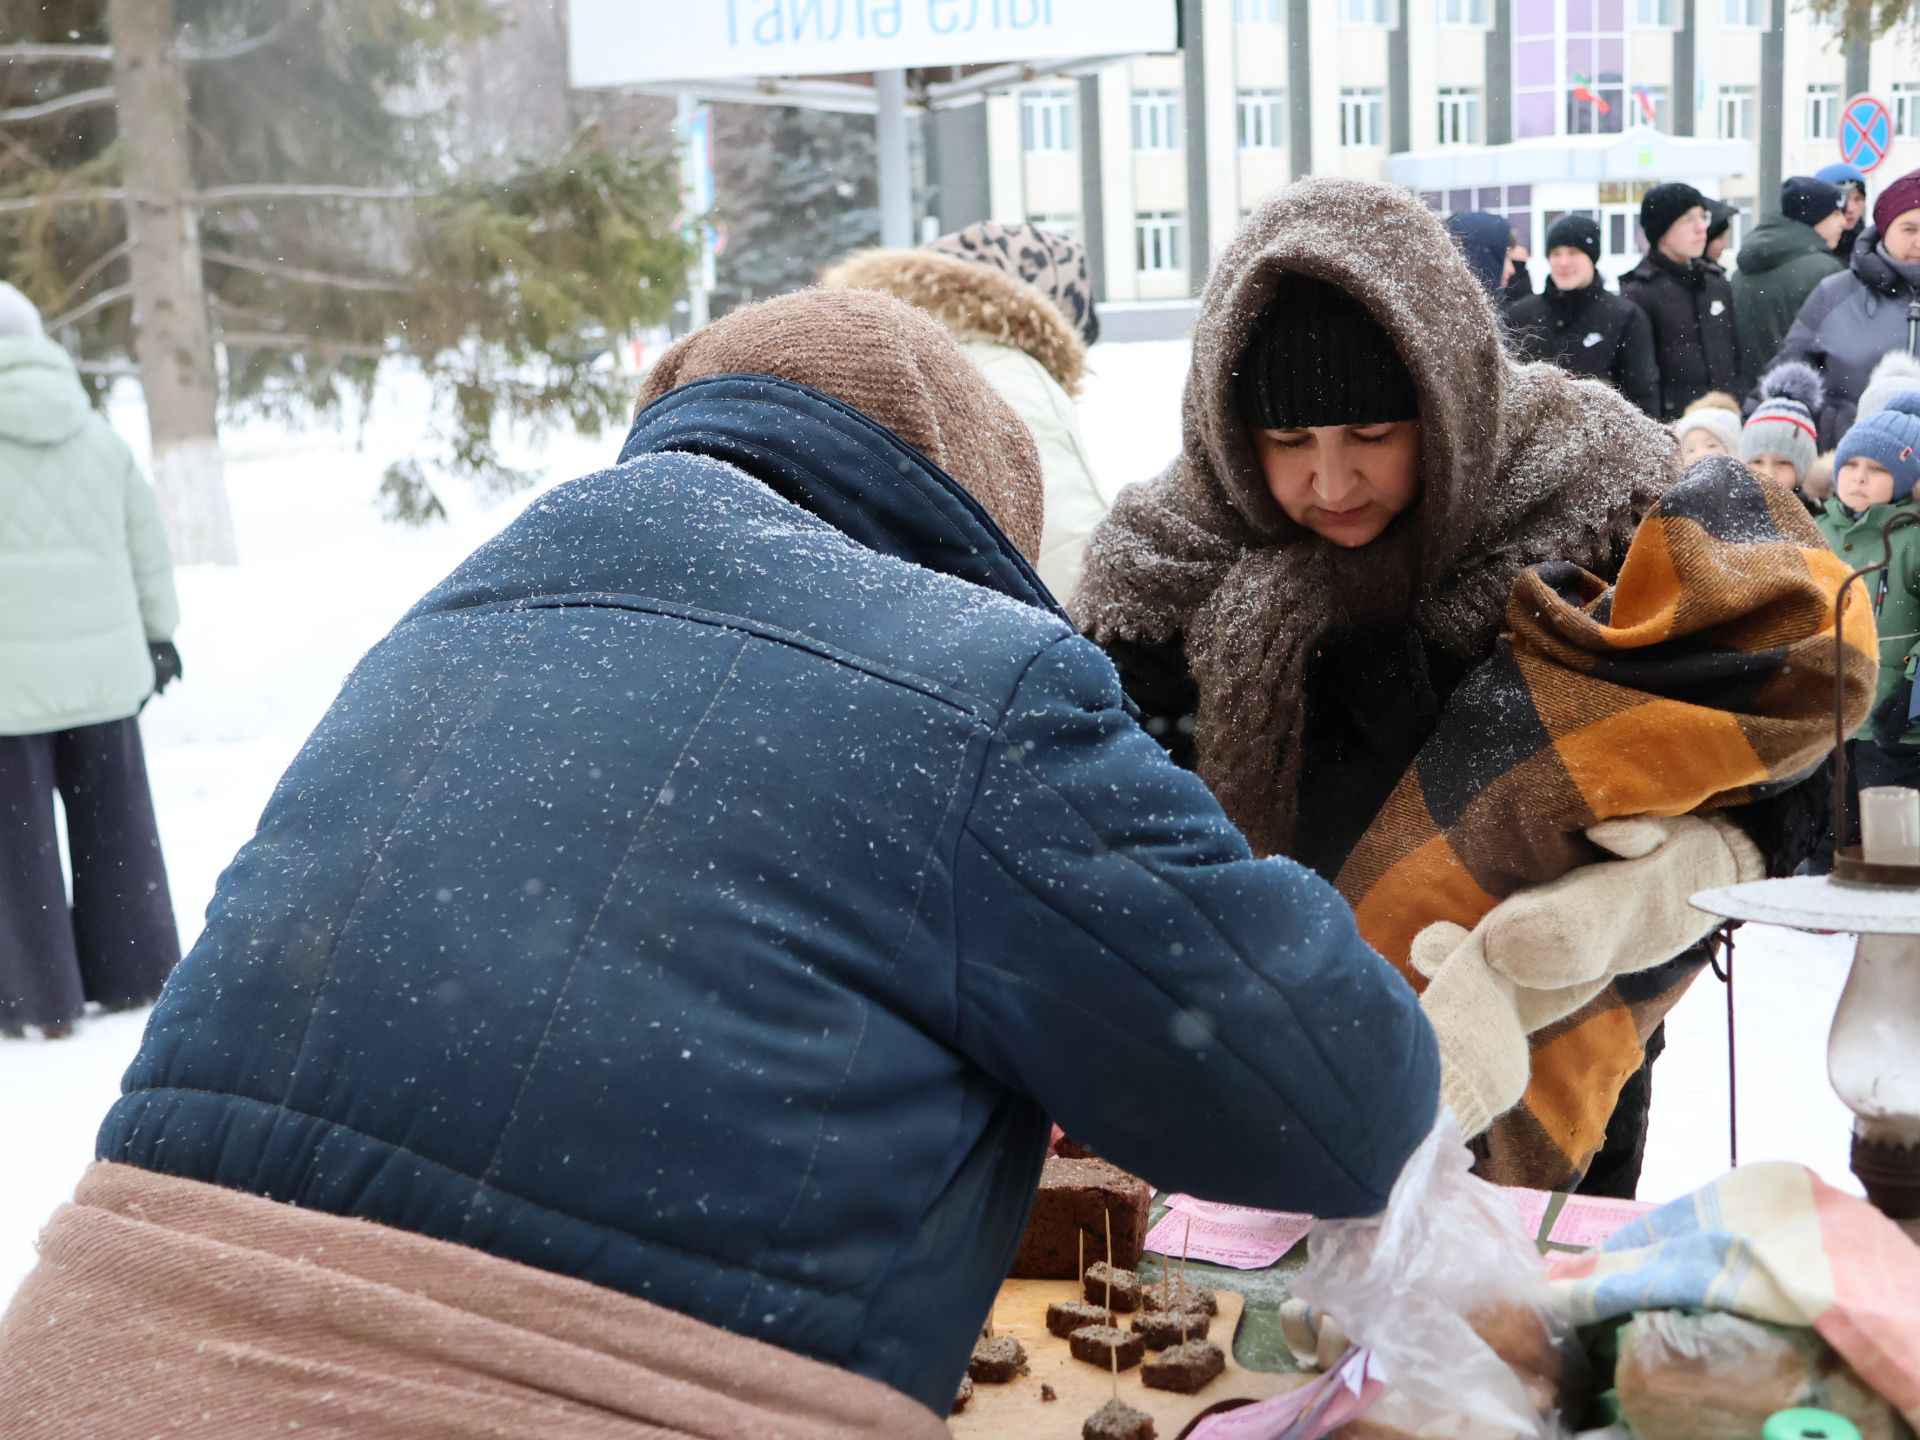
(1020,302)
(1364,475)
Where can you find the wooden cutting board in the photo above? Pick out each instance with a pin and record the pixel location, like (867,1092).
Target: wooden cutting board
(1016,1411)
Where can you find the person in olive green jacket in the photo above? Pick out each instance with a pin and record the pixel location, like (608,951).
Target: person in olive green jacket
(1780,263)
(87,612)
(1874,473)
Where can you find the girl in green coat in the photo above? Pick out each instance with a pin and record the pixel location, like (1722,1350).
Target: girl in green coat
(1875,469)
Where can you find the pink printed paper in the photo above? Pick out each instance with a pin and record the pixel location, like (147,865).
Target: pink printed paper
(1340,1396)
(1532,1205)
(1586,1221)
(1238,1236)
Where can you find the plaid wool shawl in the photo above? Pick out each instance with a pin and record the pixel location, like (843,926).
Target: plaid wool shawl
(1704,678)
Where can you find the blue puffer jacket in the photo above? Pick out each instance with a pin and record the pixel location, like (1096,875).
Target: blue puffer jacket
(697,896)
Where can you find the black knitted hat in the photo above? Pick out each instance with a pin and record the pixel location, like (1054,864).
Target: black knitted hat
(1318,357)
(1578,232)
(1808,200)
(1665,204)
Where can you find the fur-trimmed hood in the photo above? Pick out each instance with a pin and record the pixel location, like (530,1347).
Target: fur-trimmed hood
(1519,464)
(974,302)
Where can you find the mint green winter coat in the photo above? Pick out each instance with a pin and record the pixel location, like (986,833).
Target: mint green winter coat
(1896,591)
(85,577)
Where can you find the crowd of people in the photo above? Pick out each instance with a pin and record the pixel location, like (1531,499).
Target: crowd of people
(673,948)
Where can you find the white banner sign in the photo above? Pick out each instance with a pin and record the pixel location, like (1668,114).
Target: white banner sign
(636,42)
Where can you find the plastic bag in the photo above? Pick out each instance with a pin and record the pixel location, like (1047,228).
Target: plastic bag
(1448,1291)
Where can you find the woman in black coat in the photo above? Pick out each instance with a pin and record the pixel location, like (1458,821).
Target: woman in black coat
(1577,324)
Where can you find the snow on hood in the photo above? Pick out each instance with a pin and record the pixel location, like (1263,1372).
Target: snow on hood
(42,401)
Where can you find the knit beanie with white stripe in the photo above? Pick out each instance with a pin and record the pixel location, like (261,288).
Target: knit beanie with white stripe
(1783,425)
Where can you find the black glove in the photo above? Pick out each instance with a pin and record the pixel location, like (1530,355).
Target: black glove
(166,664)
(1890,720)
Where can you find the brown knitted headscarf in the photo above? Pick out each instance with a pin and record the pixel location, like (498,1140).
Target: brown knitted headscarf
(1519,464)
(895,366)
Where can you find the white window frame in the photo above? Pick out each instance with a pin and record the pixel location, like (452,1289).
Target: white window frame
(1362,117)
(1048,122)
(1368,14)
(1067,225)
(1464,14)
(1158,242)
(1461,115)
(1906,110)
(1823,112)
(1744,14)
(1256,12)
(1261,119)
(1735,99)
(1156,120)
(1655,15)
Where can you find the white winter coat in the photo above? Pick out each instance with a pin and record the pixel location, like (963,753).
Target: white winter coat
(86,580)
(1030,354)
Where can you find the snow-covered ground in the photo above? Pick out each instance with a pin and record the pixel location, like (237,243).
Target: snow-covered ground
(267,644)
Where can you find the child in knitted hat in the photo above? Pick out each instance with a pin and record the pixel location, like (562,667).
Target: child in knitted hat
(1875,469)
(1780,440)
(1711,426)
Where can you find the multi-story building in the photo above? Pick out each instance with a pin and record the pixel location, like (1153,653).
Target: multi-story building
(1531,108)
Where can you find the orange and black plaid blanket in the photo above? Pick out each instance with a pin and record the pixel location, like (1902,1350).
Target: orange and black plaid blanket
(1704,678)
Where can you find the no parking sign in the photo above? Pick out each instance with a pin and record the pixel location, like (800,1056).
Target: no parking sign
(1866,132)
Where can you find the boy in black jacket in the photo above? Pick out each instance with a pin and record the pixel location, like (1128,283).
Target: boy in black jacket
(1578,325)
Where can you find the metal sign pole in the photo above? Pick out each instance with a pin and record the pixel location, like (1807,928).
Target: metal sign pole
(890,140)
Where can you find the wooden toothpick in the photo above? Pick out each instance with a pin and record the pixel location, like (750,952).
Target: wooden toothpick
(1186,1296)
(1081,1273)
(1109,1219)
(1113,1357)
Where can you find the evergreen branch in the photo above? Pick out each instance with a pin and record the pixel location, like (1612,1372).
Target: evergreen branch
(54,54)
(56,198)
(79,282)
(92,307)
(78,100)
(280,340)
(298,272)
(235,49)
(221,193)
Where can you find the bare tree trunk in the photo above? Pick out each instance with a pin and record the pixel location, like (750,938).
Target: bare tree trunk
(174,341)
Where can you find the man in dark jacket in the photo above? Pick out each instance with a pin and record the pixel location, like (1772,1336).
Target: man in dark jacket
(1854,319)
(711,890)
(1780,262)
(1576,324)
(1688,300)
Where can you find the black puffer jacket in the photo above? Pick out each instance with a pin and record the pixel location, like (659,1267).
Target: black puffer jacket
(1590,332)
(1694,344)
(1847,326)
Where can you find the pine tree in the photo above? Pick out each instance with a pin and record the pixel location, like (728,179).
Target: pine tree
(796,189)
(316,179)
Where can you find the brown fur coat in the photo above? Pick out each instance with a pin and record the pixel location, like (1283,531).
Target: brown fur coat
(974,302)
(1520,464)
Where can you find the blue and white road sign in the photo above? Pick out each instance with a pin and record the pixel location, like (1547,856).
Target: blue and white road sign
(1866,132)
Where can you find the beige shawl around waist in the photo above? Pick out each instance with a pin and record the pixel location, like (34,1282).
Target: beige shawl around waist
(163,1307)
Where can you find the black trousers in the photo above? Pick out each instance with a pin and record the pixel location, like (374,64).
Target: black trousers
(117,942)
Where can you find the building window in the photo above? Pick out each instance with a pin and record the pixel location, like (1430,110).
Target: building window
(1156,237)
(1906,110)
(1473,14)
(1067,225)
(1460,115)
(1256,12)
(1263,115)
(1046,121)
(1736,112)
(1656,14)
(1366,12)
(1744,14)
(1360,108)
(1653,105)
(1823,112)
(1569,68)
(1512,203)
(1156,120)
